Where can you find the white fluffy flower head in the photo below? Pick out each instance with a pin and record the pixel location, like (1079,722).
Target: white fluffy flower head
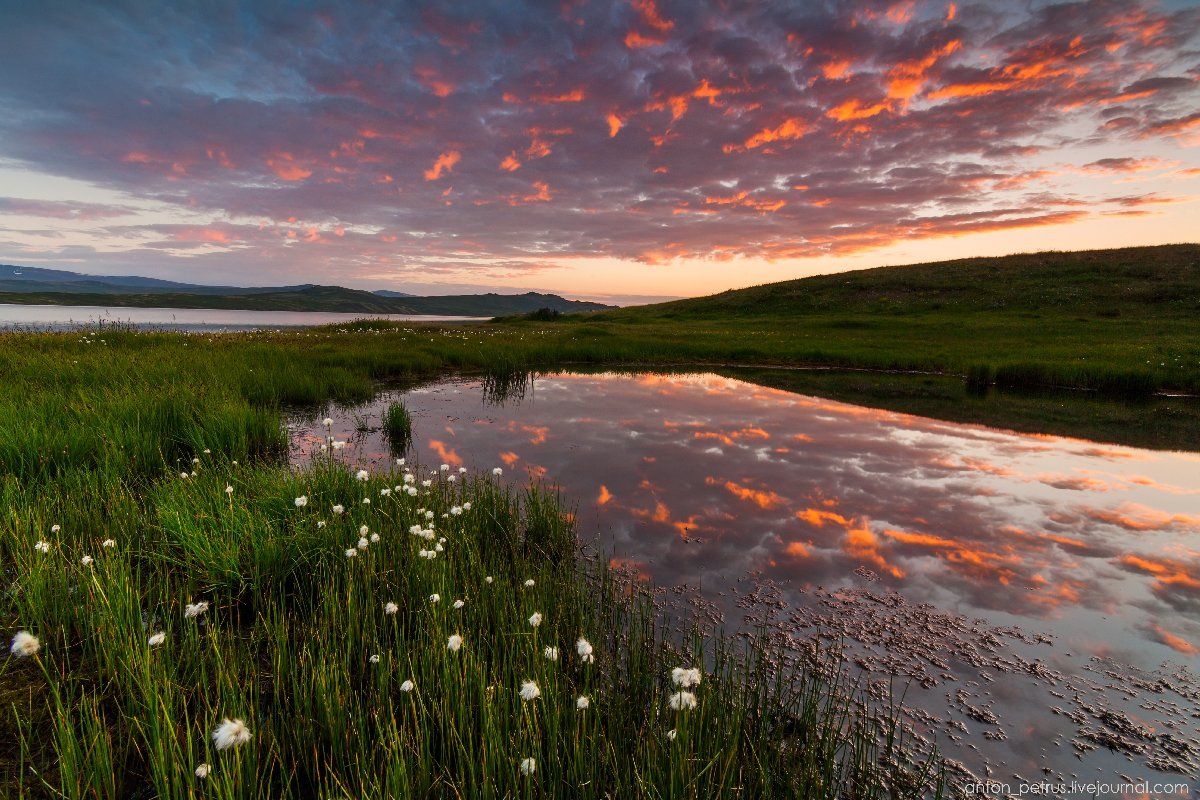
(231,733)
(681,701)
(24,644)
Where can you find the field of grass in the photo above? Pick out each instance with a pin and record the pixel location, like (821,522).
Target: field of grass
(1116,321)
(155,544)
(145,473)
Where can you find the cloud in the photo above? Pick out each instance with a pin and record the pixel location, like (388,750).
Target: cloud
(643,130)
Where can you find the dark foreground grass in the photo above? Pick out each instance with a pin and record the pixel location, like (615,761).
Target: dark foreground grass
(151,468)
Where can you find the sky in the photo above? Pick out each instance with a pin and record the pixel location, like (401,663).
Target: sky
(617,150)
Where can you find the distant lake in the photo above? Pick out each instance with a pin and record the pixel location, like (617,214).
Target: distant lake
(52,317)
(1037,596)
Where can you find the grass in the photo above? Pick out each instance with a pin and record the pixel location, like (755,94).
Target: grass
(98,429)
(172,447)
(397,426)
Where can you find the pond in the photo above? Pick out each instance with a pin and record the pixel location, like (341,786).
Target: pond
(1035,596)
(55,317)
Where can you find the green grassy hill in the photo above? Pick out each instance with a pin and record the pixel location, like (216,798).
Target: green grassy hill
(1106,283)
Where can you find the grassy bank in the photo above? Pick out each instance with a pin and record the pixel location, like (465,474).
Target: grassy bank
(182,583)
(1120,322)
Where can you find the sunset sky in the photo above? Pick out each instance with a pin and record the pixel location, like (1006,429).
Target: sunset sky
(603,149)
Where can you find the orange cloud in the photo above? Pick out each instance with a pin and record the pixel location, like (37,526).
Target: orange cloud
(789,130)
(285,166)
(835,70)
(1168,573)
(651,15)
(907,78)
(446,454)
(614,125)
(443,165)
(510,163)
(542,195)
(509,458)
(604,497)
(1174,642)
(761,498)
(428,77)
(854,109)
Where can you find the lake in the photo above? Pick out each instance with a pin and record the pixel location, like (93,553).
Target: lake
(53,317)
(1035,596)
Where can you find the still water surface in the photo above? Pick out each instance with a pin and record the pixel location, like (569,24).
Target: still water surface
(1037,595)
(54,317)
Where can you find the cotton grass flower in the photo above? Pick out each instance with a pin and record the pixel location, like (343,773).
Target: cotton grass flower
(301,501)
(454,643)
(374,538)
(407,686)
(529,766)
(362,475)
(671,734)
(231,733)
(362,530)
(685,678)
(55,528)
(445,468)
(530,691)
(109,543)
(366,501)
(529,583)
(203,770)
(339,509)
(228,490)
(435,598)
(351,552)
(24,644)
(374,659)
(551,653)
(535,620)
(327,422)
(488,579)
(86,561)
(42,547)
(390,608)
(193,610)
(156,639)
(497,471)
(582,702)
(363,544)
(320,524)
(459,603)
(682,701)
(584,648)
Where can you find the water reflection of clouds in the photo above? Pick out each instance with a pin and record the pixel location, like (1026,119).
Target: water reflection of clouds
(700,479)
(706,481)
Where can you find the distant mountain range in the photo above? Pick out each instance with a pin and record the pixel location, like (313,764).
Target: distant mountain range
(36,285)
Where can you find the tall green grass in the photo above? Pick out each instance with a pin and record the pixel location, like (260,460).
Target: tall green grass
(173,447)
(397,426)
(299,644)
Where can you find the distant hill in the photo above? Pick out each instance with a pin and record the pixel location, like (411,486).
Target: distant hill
(1138,280)
(33,285)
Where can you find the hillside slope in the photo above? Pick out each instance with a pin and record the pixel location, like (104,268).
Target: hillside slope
(1159,280)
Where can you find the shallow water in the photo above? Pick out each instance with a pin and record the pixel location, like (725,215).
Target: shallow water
(48,317)
(1037,595)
